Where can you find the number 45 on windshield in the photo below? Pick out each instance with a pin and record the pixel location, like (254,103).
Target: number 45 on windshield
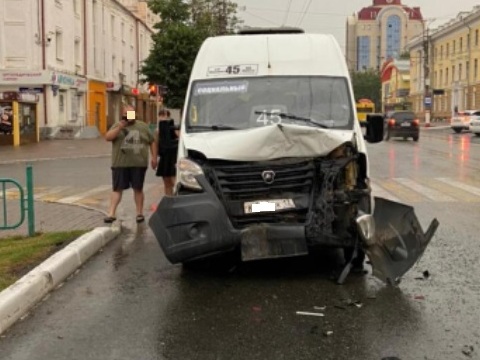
(269,117)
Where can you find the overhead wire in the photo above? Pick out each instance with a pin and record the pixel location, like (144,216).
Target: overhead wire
(304,13)
(287,13)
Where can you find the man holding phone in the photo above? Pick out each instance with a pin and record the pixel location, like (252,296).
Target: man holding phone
(132,141)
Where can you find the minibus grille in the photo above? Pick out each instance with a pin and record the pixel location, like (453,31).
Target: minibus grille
(237,183)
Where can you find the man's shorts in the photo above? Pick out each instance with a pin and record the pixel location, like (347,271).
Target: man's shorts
(125,177)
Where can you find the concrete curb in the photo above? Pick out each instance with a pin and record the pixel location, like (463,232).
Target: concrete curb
(20,297)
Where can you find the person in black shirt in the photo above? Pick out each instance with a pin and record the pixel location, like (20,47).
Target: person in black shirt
(167,140)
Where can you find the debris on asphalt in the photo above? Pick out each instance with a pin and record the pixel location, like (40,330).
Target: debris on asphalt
(339,307)
(391,358)
(328,333)
(306,313)
(321,308)
(425,275)
(419,297)
(314,330)
(257,308)
(467,350)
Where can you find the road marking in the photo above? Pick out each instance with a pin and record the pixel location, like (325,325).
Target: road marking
(41,195)
(77,197)
(379,191)
(453,191)
(401,192)
(468,188)
(424,190)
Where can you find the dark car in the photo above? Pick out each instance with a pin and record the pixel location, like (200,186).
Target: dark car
(402,124)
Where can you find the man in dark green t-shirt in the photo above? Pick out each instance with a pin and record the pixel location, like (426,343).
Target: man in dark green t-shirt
(132,141)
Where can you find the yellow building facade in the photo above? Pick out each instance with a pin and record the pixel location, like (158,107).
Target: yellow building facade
(444,67)
(395,77)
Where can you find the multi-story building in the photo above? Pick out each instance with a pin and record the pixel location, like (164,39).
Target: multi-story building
(77,59)
(380,32)
(445,67)
(395,77)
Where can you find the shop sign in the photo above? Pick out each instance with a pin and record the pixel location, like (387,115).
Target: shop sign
(23,77)
(32,90)
(64,80)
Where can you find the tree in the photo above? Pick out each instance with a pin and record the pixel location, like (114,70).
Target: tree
(183,27)
(367,85)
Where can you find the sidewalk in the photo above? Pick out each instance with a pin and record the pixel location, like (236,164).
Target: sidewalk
(55,149)
(53,216)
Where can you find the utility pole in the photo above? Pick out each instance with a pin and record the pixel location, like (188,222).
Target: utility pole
(427,96)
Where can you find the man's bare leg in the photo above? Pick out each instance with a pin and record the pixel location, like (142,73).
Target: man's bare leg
(115,199)
(139,198)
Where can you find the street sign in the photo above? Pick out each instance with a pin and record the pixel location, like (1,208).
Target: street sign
(428,100)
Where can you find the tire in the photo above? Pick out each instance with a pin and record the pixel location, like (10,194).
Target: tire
(458,131)
(387,135)
(415,138)
(477,134)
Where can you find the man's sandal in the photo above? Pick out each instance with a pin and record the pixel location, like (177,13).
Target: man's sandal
(140,219)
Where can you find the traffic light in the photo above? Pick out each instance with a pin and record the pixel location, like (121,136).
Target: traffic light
(153,90)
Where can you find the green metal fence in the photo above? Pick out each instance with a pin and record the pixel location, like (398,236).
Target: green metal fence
(26,203)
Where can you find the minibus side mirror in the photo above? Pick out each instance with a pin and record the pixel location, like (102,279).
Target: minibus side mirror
(374,128)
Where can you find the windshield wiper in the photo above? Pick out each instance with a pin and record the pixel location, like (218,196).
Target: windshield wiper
(214,127)
(292,117)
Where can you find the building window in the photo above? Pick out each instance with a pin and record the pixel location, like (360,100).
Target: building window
(75,106)
(448,49)
(394,35)
(77,51)
(441,78)
(59,44)
(476,37)
(435,80)
(363,52)
(460,66)
(468,41)
(475,68)
(453,73)
(436,53)
(446,76)
(59,3)
(454,46)
(441,52)
(461,44)
(467,70)
(76,8)
(112,26)
(114,66)
(131,37)
(122,31)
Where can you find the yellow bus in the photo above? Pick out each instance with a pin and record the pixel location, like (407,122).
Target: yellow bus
(364,107)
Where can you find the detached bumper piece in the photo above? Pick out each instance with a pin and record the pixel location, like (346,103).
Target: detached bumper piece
(399,241)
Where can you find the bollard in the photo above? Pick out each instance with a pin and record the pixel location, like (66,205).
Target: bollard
(30,202)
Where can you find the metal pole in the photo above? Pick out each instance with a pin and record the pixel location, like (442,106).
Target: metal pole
(30,202)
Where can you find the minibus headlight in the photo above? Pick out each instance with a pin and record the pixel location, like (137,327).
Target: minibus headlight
(187,170)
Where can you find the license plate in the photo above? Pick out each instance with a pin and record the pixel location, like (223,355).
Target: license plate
(405,124)
(268,205)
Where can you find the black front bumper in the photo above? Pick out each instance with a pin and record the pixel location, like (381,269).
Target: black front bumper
(193,226)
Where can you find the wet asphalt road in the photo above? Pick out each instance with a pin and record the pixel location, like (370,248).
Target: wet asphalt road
(128,302)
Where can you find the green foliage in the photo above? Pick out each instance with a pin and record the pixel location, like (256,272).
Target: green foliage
(367,85)
(20,254)
(181,32)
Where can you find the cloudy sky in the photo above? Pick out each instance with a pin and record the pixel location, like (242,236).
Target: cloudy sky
(329,16)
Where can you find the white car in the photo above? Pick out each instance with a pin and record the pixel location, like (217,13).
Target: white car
(475,124)
(461,121)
